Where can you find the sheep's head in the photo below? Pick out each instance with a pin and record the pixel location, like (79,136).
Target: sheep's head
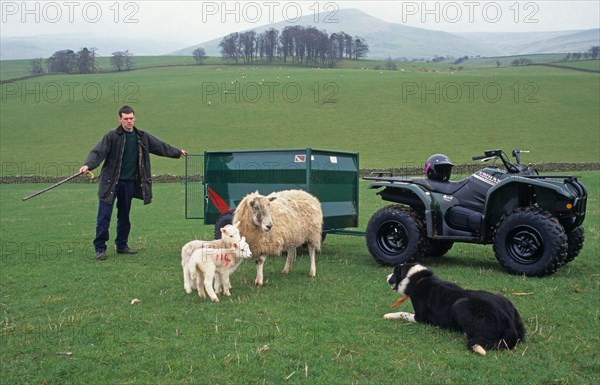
(230,233)
(261,211)
(243,247)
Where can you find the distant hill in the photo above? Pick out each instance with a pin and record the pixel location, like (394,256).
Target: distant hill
(31,47)
(400,41)
(538,42)
(385,40)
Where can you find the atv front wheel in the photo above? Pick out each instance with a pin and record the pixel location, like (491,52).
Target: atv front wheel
(395,235)
(531,242)
(575,241)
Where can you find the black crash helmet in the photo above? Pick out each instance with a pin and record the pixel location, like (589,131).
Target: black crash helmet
(438,167)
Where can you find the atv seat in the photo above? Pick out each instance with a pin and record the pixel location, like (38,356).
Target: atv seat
(448,188)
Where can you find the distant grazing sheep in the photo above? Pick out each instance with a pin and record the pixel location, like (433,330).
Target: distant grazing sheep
(229,235)
(207,263)
(281,221)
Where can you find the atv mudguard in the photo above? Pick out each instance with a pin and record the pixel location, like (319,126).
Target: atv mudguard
(405,192)
(544,192)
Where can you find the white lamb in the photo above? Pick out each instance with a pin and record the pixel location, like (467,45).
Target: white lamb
(229,235)
(281,221)
(209,264)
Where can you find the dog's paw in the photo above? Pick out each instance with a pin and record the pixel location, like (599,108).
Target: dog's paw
(400,315)
(390,316)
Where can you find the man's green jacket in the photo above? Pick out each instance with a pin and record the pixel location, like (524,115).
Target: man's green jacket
(110,150)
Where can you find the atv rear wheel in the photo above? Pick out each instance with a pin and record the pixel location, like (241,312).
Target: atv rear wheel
(575,241)
(395,235)
(530,241)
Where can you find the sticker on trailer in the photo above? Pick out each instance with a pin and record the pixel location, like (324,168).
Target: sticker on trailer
(333,159)
(299,158)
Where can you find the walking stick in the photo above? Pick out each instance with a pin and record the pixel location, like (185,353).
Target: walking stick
(55,185)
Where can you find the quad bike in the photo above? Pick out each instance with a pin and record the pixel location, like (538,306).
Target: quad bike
(533,221)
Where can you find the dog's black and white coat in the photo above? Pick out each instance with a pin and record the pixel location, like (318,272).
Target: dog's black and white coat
(490,321)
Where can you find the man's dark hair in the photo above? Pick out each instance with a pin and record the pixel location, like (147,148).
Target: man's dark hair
(126,110)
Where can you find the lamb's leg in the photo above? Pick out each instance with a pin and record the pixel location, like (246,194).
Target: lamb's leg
(187,284)
(198,278)
(291,256)
(209,276)
(410,317)
(226,284)
(313,263)
(218,283)
(260,262)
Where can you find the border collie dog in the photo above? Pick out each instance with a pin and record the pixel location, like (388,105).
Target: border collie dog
(490,321)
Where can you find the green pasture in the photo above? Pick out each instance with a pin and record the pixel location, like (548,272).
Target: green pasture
(68,319)
(392,118)
(584,64)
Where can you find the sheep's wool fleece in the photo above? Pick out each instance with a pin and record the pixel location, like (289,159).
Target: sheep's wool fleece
(297,219)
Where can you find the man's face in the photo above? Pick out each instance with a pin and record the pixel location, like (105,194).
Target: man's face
(127,121)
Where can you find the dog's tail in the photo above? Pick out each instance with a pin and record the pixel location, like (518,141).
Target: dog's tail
(478,349)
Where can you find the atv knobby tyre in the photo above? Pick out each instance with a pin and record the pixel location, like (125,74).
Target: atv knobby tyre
(575,241)
(436,248)
(395,235)
(529,241)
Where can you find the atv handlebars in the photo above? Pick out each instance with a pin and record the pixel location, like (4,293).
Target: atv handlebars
(510,167)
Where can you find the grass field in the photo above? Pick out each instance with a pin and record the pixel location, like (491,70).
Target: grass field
(392,118)
(68,319)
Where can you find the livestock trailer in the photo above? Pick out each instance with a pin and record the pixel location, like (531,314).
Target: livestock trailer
(216,181)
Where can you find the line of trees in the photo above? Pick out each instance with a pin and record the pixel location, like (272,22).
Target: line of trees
(82,62)
(295,44)
(521,62)
(592,53)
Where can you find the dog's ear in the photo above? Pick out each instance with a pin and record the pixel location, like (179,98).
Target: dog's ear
(402,270)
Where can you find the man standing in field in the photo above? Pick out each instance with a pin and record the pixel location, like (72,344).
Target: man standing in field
(125,175)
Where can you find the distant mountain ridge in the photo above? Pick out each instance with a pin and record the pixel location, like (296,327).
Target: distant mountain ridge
(400,41)
(385,40)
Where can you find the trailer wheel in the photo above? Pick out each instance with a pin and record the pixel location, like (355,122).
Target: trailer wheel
(222,221)
(531,242)
(436,249)
(395,235)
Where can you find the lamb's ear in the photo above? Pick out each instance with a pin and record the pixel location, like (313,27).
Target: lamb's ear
(222,230)
(243,239)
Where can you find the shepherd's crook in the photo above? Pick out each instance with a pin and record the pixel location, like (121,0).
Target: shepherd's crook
(55,185)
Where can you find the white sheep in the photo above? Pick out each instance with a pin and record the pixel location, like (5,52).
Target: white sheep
(229,235)
(281,221)
(209,264)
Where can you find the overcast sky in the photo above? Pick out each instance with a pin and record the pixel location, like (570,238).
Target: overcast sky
(191,22)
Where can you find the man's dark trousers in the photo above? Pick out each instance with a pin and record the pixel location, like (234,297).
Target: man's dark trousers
(123,195)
